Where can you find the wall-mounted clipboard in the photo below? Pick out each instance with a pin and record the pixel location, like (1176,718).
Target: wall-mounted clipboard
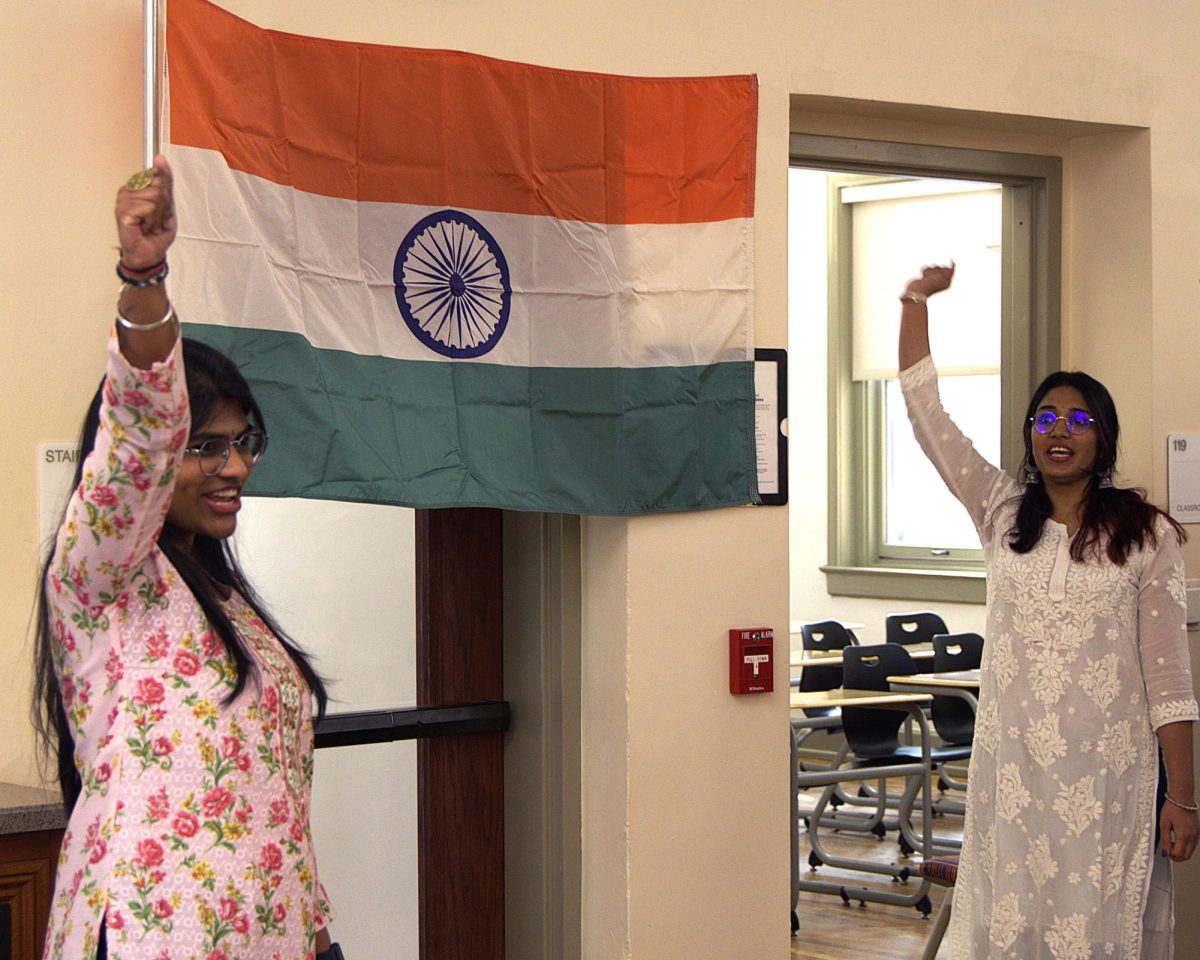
(770,425)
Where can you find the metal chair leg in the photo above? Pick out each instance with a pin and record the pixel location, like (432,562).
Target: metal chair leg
(934,940)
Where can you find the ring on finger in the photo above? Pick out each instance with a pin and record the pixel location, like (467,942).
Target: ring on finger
(140,180)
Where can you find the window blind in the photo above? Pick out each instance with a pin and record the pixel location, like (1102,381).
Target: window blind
(897,227)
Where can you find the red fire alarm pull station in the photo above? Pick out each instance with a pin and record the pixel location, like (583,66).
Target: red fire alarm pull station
(751,660)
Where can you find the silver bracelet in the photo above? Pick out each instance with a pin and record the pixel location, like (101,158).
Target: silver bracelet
(913,296)
(167,317)
(1182,806)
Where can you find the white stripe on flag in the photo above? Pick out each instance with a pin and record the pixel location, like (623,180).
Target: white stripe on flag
(261,255)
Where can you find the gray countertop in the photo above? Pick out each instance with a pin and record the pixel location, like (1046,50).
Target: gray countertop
(26,809)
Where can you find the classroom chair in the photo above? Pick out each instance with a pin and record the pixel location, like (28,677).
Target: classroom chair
(874,735)
(917,627)
(953,717)
(825,635)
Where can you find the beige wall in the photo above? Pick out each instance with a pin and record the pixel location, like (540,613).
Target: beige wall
(65,101)
(677,765)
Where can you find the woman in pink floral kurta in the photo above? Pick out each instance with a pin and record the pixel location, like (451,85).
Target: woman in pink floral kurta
(189,838)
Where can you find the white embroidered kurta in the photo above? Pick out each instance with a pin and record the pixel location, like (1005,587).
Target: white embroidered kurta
(1083,662)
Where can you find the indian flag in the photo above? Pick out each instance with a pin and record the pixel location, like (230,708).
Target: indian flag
(460,281)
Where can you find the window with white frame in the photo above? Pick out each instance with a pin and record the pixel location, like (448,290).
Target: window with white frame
(894,529)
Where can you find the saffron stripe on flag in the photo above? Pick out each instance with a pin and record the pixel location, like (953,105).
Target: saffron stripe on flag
(340,119)
(432,434)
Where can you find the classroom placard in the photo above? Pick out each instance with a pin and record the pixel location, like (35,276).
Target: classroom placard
(1183,477)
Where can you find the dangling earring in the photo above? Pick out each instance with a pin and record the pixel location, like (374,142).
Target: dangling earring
(1032,477)
(1104,479)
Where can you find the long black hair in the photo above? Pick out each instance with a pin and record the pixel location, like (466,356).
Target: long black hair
(1115,520)
(209,569)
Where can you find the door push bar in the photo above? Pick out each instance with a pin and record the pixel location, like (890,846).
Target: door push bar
(411,723)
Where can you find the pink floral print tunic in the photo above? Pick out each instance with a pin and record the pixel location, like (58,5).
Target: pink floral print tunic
(190,838)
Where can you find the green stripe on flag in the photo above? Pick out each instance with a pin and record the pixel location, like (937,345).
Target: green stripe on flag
(444,434)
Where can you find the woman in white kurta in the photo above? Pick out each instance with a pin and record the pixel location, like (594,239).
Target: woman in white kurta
(1086,661)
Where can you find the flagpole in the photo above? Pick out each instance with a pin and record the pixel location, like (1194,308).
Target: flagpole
(150,81)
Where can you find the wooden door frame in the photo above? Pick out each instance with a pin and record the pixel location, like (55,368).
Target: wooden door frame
(460,779)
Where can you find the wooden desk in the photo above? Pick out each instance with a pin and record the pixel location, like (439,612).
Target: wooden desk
(841,697)
(837,774)
(963,684)
(833,658)
(948,678)
(960,684)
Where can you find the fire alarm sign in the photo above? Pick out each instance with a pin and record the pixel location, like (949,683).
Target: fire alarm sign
(751,660)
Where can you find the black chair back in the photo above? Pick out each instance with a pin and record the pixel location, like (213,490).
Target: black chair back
(869,731)
(917,627)
(957,651)
(826,635)
(953,718)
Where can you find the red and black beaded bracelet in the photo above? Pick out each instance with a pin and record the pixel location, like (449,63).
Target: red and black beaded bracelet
(150,276)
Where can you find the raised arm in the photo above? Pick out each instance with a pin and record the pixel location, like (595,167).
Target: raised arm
(977,484)
(115,514)
(914,312)
(146,227)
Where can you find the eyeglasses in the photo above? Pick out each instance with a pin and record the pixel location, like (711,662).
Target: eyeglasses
(214,453)
(1077,421)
